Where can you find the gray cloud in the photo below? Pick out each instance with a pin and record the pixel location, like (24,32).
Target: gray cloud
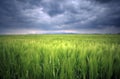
(107,1)
(44,16)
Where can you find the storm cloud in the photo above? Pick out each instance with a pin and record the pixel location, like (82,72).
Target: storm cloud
(59,16)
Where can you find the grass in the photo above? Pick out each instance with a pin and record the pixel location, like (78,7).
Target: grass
(60,56)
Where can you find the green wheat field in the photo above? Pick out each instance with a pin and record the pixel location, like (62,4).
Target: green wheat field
(60,56)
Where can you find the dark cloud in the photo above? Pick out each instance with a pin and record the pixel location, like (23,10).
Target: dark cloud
(112,16)
(53,8)
(107,1)
(37,16)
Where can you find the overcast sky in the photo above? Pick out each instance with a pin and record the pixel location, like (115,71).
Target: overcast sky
(59,16)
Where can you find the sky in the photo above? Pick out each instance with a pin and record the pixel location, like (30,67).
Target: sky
(59,16)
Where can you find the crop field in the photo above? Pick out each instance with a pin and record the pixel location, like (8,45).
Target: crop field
(60,56)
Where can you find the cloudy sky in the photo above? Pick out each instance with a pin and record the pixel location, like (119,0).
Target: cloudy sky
(59,16)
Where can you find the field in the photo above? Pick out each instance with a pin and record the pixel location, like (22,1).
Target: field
(60,56)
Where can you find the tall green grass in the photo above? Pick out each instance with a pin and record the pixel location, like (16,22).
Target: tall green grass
(60,57)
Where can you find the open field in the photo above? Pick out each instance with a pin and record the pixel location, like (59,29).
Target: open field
(60,56)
